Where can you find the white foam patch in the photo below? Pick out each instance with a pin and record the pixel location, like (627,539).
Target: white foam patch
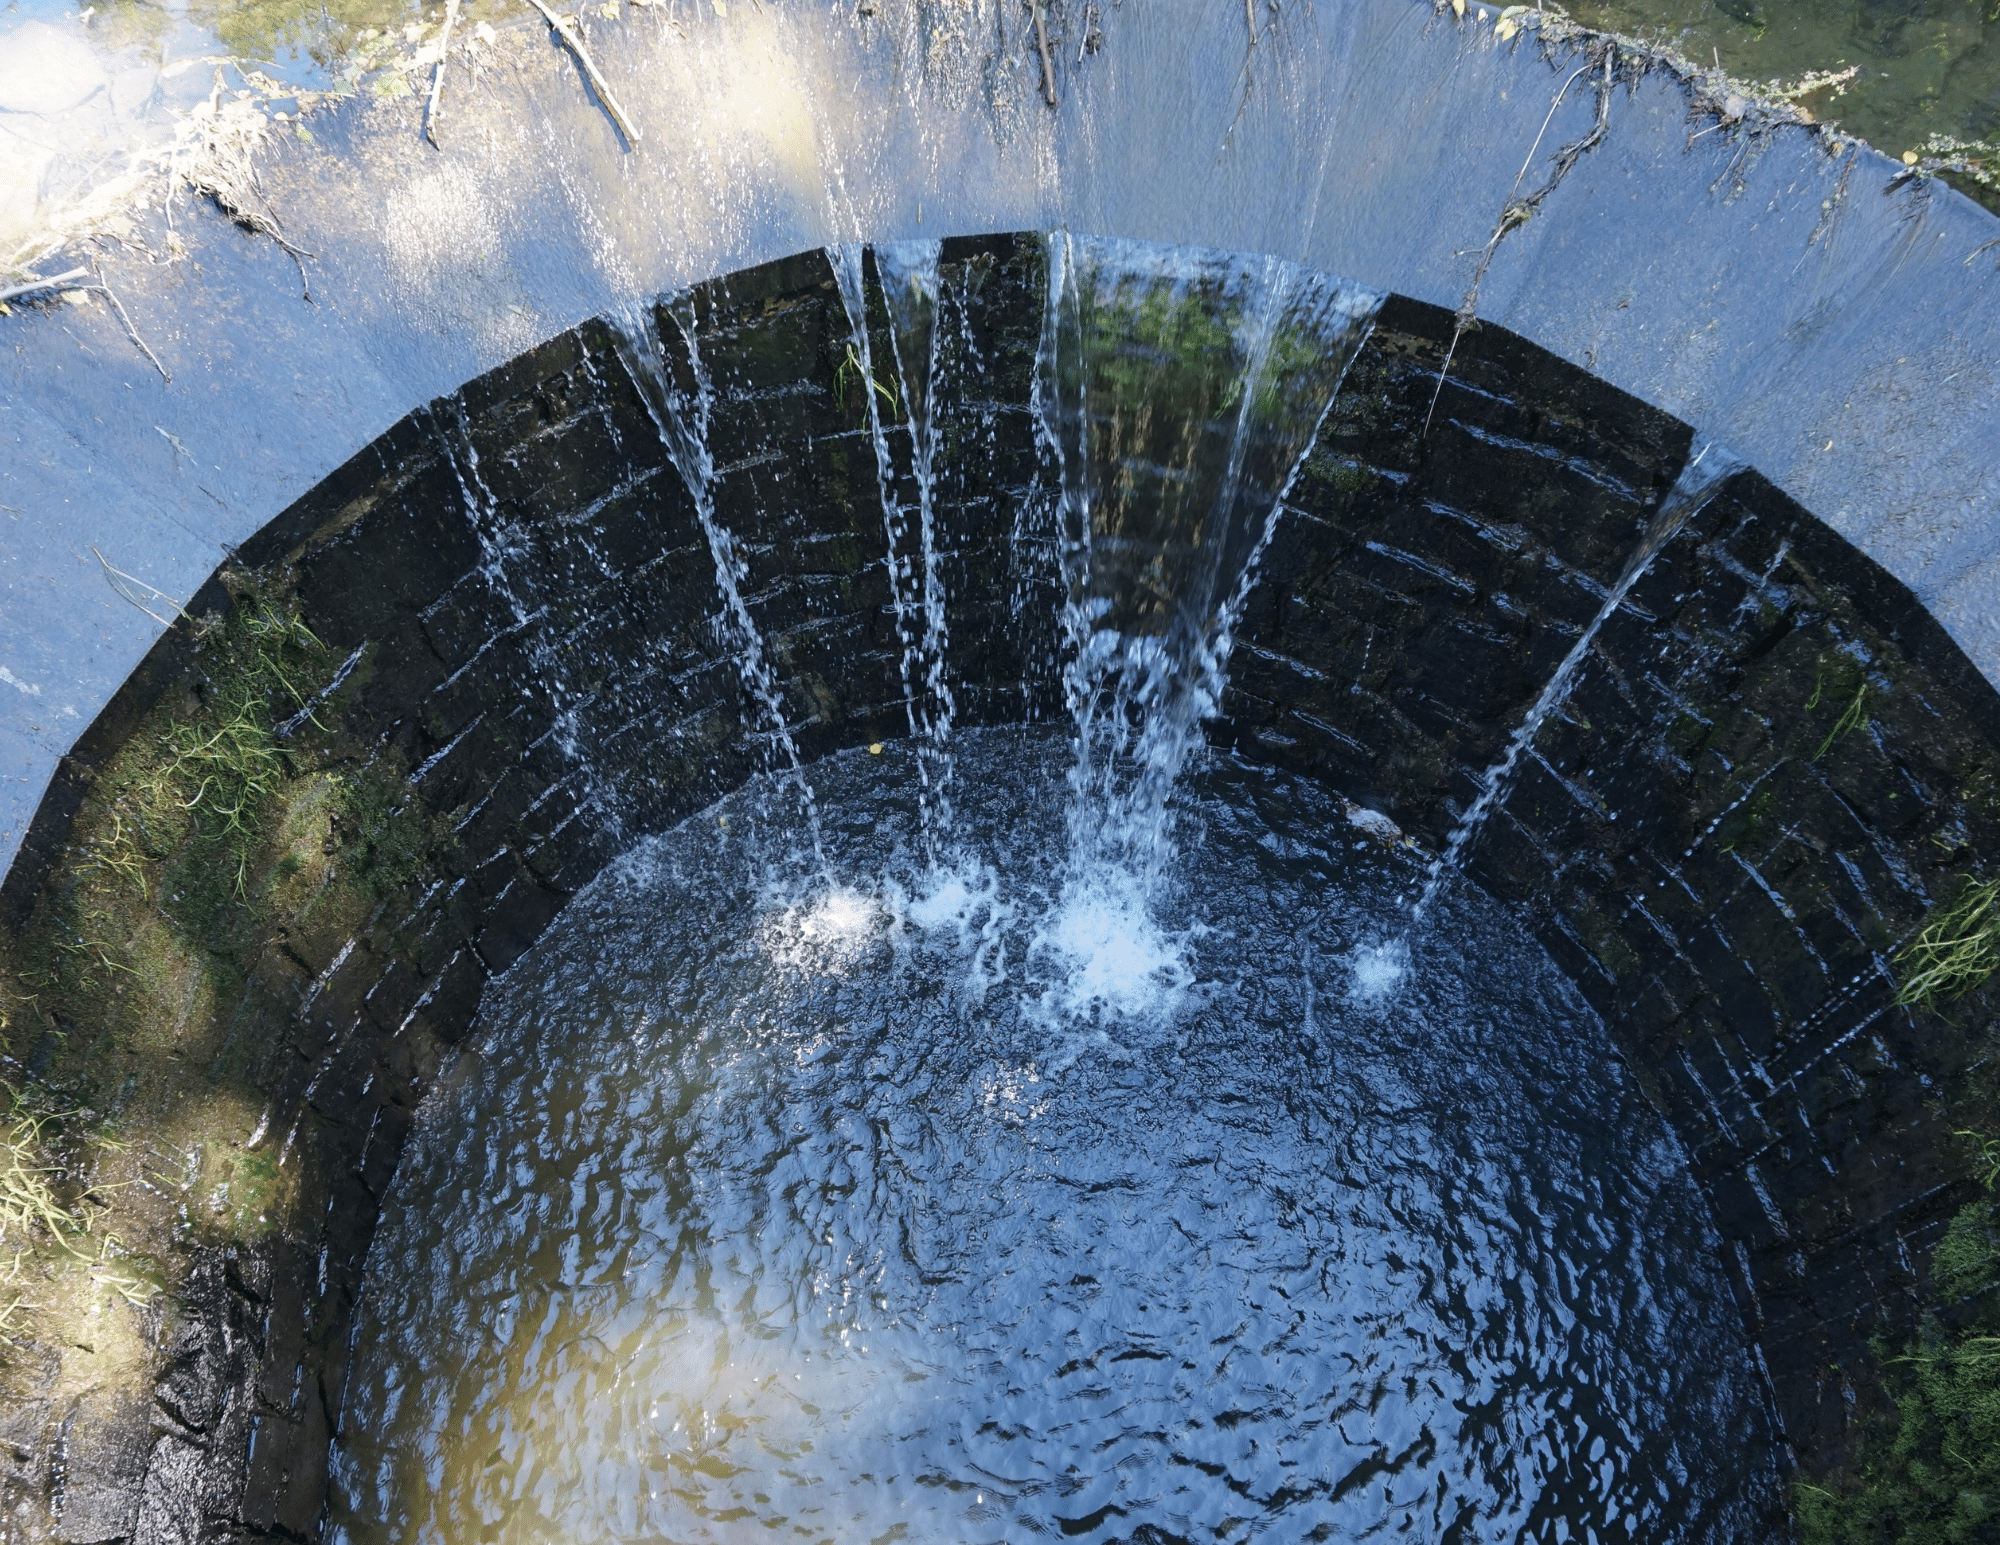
(964,904)
(1378,968)
(1107,955)
(826,933)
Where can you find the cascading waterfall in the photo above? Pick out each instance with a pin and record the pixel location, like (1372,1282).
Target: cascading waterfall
(1700,479)
(1177,394)
(762,1168)
(682,419)
(910,287)
(909,274)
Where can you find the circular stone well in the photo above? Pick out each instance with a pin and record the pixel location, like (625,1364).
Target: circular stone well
(1778,757)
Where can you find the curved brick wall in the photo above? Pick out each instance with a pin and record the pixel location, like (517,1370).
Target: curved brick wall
(517,588)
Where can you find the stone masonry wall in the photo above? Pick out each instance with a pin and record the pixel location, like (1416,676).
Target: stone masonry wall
(1770,767)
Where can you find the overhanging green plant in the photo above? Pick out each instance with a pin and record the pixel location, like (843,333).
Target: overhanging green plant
(1956,950)
(1934,1480)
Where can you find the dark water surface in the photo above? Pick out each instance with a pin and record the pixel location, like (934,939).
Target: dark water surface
(1922,67)
(764,1213)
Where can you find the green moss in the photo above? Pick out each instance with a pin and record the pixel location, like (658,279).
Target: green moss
(1935,1478)
(385,833)
(1605,942)
(1344,476)
(223,846)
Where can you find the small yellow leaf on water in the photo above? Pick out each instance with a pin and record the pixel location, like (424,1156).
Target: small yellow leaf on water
(77,297)
(1909,158)
(1504,31)
(609,10)
(1458,7)
(875,749)
(721,9)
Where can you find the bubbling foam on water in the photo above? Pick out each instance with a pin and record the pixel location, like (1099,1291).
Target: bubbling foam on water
(827,929)
(1108,956)
(964,902)
(1378,968)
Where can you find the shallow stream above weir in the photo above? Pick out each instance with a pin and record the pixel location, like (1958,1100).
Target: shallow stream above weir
(889,1212)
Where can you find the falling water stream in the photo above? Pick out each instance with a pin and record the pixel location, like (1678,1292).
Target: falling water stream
(909,274)
(1029,1158)
(1379,965)
(681,415)
(1707,469)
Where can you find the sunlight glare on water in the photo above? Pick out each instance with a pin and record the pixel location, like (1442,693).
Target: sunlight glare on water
(755,1211)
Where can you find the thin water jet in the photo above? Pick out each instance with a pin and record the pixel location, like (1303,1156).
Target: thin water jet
(1706,470)
(681,417)
(909,274)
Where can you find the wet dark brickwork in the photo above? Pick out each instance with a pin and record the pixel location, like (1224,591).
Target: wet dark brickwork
(1771,765)
(525,609)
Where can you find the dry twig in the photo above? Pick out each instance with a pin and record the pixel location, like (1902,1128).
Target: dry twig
(1518,211)
(565,28)
(437,80)
(32,286)
(1042,43)
(133,332)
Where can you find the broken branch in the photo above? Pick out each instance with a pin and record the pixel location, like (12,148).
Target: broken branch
(34,285)
(1041,42)
(565,28)
(437,80)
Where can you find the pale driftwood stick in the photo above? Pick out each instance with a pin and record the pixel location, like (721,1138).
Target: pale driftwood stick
(133,332)
(566,30)
(129,587)
(1250,16)
(1517,211)
(437,80)
(1041,42)
(44,284)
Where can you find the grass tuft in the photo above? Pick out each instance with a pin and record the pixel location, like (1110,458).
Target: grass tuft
(1855,718)
(1957,949)
(1934,1477)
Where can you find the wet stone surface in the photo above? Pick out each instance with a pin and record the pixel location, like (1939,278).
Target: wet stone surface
(1773,763)
(1720,846)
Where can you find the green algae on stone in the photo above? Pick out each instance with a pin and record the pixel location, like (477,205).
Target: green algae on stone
(1934,1478)
(223,841)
